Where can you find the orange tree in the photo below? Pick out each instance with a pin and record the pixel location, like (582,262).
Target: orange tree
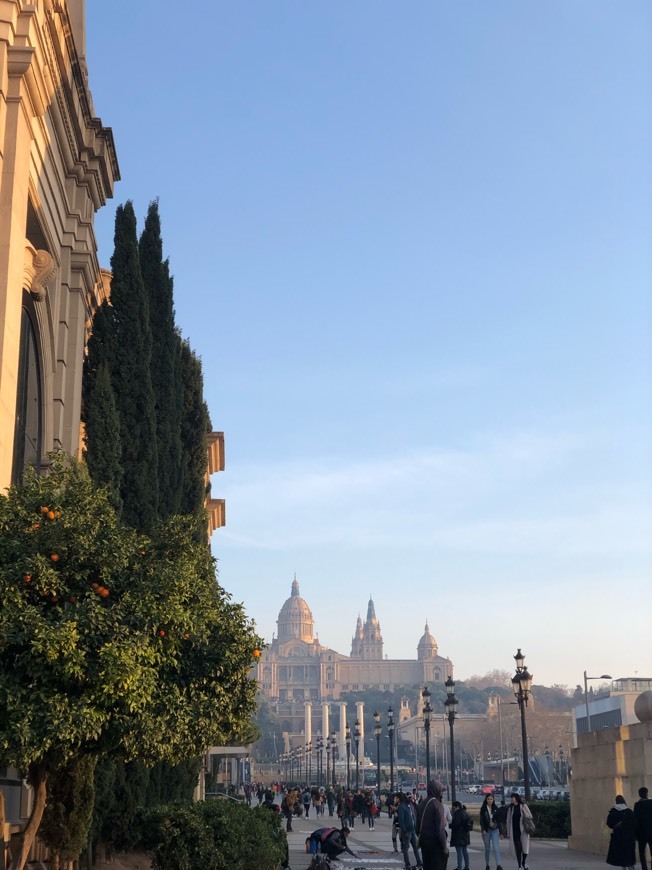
(110,641)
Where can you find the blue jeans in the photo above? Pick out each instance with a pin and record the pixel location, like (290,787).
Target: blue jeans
(462,855)
(409,838)
(491,840)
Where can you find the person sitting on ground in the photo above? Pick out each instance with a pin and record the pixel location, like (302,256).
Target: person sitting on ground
(330,842)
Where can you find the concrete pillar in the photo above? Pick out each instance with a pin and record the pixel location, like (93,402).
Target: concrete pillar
(359,712)
(325,723)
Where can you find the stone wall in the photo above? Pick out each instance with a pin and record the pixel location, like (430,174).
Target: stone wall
(606,763)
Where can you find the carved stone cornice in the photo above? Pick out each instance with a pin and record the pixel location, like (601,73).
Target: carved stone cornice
(38,270)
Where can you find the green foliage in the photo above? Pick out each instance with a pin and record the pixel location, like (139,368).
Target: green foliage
(195,426)
(166,376)
(156,669)
(69,809)
(215,835)
(552,818)
(103,449)
(131,376)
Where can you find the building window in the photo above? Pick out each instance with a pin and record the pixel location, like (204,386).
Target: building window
(354,688)
(345,687)
(28,436)
(386,687)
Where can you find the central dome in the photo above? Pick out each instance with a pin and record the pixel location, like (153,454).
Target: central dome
(295,620)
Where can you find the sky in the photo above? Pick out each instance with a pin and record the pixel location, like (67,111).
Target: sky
(412,244)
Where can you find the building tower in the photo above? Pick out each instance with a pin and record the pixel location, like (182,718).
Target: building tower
(372,640)
(427,648)
(358,637)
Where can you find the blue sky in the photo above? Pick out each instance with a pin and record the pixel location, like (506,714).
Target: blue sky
(412,244)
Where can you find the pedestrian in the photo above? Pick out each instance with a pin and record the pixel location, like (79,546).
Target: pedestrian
(501,816)
(643,817)
(331,801)
(330,842)
(287,808)
(407,822)
(622,844)
(490,830)
(460,836)
(305,800)
(431,829)
(519,826)
(371,809)
(395,826)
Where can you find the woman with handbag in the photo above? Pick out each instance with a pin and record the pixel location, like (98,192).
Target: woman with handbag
(519,827)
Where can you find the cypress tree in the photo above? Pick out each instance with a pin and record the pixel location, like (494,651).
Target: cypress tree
(195,426)
(131,377)
(164,361)
(102,449)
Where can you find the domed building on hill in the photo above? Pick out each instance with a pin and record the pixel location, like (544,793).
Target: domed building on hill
(296,668)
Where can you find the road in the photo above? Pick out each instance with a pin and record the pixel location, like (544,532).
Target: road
(374,849)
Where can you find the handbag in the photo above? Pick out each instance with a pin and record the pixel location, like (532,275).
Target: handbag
(528,825)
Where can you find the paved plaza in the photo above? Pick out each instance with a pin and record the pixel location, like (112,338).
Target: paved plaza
(375,850)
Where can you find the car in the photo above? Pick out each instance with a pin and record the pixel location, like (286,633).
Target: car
(488,789)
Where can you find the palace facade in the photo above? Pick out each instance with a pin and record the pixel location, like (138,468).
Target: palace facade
(296,670)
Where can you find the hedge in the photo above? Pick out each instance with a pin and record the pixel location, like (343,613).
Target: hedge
(214,835)
(552,819)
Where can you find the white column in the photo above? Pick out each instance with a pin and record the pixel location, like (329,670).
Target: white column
(342,746)
(308,721)
(325,724)
(359,709)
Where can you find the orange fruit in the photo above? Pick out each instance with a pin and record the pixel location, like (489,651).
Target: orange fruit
(104,592)
(36,526)
(44,510)
(57,513)
(95,585)
(54,557)
(161,632)
(50,515)
(28,578)
(186,635)
(256,653)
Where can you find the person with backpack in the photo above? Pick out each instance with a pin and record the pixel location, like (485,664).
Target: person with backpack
(461,826)
(330,842)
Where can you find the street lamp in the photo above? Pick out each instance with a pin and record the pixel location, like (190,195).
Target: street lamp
(357,734)
(300,757)
(586,696)
(320,760)
(390,731)
(347,738)
(377,733)
(333,749)
(309,762)
(427,711)
(451,703)
(522,683)
(549,770)
(328,761)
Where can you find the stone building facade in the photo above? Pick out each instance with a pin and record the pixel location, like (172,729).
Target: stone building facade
(296,669)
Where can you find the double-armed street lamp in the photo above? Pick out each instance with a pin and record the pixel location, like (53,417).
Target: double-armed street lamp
(347,739)
(390,731)
(522,683)
(357,734)
(586,696)
(333,750)
(377,732)
(451,703)
(427,712)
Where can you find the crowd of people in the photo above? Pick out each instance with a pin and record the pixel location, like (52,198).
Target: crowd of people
(426,827)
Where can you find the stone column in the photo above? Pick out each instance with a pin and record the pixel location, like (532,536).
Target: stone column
(325,723)
(342,741)
(359,711)
(307,728)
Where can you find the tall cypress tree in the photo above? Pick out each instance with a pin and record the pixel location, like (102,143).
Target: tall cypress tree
(195,426)
(164,362)
(102,424)
(131,376)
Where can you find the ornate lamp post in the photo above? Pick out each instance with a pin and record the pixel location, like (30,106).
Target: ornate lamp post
(347,738)
(357,734)
(319,749)
(309,762)
(549,770)
(300,759)
(451,703)
(390,731)
(522,683)
(377,733)
(562,778)
(427,712)
(328,761)
(333,751)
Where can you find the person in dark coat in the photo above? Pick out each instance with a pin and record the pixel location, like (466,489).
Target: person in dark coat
(622,845)
(519,839)
(407,820)
(460,836)
(431,829)
(643,818)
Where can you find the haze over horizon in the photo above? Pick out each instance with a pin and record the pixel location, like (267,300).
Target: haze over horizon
(412,246)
